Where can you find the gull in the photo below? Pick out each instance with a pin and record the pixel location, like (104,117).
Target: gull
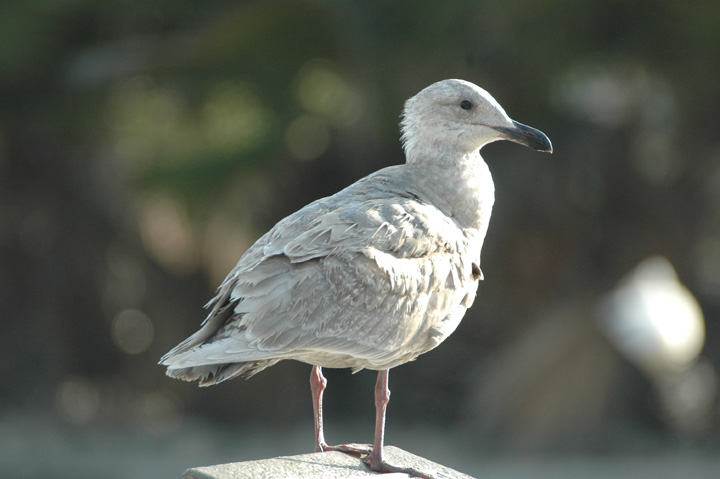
(372,276)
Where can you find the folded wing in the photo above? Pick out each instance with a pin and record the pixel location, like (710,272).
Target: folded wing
(370,277)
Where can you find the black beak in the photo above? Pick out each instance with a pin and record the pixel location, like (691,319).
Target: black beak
(525,135)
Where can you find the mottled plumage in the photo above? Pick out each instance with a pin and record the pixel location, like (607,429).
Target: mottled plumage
(368,278)
(376,274)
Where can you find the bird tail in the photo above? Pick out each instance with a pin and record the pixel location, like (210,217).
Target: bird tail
(210,374)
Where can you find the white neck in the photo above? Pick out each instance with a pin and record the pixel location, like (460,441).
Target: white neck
(458,183)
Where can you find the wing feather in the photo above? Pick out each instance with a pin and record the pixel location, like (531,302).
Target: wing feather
(362,274)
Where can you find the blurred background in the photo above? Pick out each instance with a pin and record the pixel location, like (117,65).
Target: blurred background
(145,145)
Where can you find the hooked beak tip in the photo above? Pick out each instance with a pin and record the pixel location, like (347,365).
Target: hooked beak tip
(527,136)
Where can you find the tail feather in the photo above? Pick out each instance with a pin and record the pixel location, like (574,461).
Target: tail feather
(219,350)
(217,318)
(208,375)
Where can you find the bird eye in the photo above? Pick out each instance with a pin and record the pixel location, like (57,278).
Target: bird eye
(465,105)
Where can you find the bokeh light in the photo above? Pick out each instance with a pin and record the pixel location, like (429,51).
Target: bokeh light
(77,400)
(158,412)
(132,331)
(307,137)
(322,90)
(167,234)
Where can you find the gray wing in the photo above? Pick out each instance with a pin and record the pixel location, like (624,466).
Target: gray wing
(368,274)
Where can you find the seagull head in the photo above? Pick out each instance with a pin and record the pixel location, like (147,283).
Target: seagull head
(459,115)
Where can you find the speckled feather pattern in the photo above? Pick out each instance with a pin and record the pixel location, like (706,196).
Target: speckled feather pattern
(370,277)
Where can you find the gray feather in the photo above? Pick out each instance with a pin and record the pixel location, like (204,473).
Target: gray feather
(374,275)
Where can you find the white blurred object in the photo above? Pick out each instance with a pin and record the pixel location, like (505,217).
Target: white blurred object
(653,320)
(657,324)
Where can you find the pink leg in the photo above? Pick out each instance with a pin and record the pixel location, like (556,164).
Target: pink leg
(317,386)
(382,397)
(375,459)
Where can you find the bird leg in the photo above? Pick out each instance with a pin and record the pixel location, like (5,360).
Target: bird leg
(317,386)
(382,397)
(318,383)
(373,457)
(375,460)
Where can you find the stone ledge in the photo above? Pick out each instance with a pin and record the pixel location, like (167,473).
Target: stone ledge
(323,465)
